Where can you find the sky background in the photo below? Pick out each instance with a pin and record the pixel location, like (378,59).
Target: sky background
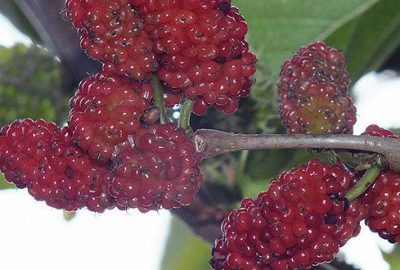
(37,237)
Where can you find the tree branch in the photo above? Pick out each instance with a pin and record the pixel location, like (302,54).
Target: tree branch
(59,35)
(203,217)
(214,142)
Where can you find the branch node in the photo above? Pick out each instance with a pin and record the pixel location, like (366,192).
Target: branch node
(200,143)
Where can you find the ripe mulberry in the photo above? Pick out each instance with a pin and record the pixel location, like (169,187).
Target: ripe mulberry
(112,32)
(42,157)
(105,111)
(301,221)
(383,197)
(156,168)
(313,91)
(201,51)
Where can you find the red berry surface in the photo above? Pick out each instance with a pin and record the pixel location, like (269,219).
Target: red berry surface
(42,157)
(313,91)
(201,51)
(383,197)
(105,111)
(156,168)
(383,203)
(299,222)
(112,32)
(375,130)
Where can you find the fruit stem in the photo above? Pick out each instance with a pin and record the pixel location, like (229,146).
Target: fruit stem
(242,164)
(365,182)
(214,142)
(186,112)
(159,100)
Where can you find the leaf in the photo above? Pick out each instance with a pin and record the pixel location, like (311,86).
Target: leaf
(11,10)
(30,85)
(68,215)
(340,39)
(4,184)
(371,38)
(392,258)
(184,250)
(277,28)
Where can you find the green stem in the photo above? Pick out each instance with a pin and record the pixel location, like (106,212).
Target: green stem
(364,183)
(242,162)
(186,112)
(241,165)
(159,100)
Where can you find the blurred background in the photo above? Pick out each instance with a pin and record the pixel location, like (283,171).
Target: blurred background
(41,65)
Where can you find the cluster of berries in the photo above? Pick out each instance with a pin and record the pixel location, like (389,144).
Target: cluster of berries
(155,168)
(196,48)
(113,152)
(109,155)
(304,218)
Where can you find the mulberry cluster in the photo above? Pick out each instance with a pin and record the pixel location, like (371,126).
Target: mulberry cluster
(197,47)
(105,111)
(382,198)
(113,152)
(153,169)
(313,91)
(301,221)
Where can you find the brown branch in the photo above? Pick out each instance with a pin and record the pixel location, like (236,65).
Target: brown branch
(203,217)
(49,19)
(214,142)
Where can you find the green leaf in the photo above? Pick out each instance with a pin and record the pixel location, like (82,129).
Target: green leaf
(4,184)
(277,28)
(341,38)
(392,258)
(369,39)
(30,85)
(184,250)
(11,10)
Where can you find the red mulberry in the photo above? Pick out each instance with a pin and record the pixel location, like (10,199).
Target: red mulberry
(157,168)
(112,32)
(201,51)
(301,221)
(383,197)
(105,111)
(42,157)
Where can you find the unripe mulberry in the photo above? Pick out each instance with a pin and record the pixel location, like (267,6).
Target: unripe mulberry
(301,221)
(313,91)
